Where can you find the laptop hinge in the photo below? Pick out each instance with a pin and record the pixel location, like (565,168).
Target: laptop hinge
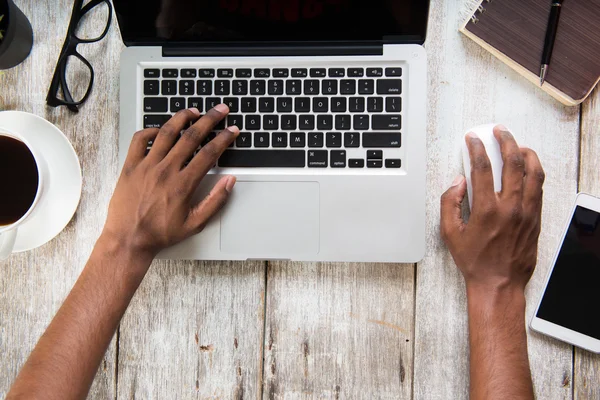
(273,51)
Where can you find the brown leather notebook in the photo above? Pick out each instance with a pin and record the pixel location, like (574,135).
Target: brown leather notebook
(514,31)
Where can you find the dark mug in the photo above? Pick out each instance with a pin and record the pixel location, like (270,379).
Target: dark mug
(17,35)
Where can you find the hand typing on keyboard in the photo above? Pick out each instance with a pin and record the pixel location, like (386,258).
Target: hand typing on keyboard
(152,206)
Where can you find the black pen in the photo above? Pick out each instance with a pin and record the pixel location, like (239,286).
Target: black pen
(550,37)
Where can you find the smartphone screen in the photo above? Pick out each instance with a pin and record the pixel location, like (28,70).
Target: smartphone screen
(572,297)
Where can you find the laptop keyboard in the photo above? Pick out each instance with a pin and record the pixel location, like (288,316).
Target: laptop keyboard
(290,117)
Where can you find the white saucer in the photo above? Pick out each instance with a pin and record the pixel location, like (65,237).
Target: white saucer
(62,189)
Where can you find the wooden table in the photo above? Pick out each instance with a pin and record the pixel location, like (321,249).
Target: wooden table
(220,330)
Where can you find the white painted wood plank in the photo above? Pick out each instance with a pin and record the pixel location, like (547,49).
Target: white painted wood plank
(339,331)
(469,87)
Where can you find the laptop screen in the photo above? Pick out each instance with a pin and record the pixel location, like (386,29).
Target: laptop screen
(159,22)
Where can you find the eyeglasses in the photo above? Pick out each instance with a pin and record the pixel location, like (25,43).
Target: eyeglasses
(68,86)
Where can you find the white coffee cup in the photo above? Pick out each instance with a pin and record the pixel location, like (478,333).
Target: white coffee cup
(8,233)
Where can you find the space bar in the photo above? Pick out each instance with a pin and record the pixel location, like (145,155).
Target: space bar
(263,158)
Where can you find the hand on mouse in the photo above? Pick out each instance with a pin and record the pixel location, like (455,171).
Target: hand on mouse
(498,246)
(152,206)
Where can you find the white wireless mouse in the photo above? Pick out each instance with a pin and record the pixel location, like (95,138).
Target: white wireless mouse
(492,148)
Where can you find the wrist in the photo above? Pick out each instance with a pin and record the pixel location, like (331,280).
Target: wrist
(122,258)
(503,297)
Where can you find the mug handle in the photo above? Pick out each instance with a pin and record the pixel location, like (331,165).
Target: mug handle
(7,243)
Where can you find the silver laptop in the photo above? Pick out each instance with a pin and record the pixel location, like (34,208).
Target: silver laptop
(330,97)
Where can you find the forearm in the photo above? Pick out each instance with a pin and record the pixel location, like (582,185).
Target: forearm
(64,362)
(498,344)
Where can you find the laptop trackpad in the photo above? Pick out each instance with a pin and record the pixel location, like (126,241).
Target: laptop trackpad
(272,220)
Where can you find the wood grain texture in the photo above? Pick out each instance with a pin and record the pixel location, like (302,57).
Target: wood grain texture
(339,331)
(34,284)
(587,365)
(469,87)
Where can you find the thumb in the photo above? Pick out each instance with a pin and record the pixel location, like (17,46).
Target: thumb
(451,213)
(216,199)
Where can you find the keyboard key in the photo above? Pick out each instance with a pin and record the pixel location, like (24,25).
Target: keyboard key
(263,158)
(281,73)
(204,87)
(177,103)
(275,87)
(293,87)
(374,155)
(266,105)
(155,121)
(279,139)
(381,139)
(188,73)
(387,122)
(297,139)
(288,122)
(333,139)
(258,87)
(356,163)
(351,139)
(338,158)
(168,87)
(356,72)
(233,103)
(366,86)
(361,122)
(222,87)
(357,104)
(374,71)
(338,104)
(197,102)
(393,104)
(299,72)
(317,158)
(393,72)
(212,102)
(302,104)
(342,122)
(337,72)
(324,122)
(210,137)
(220,125)
(311,87)
(170,73)
(389,86)
(206,73)
(243,73)
(270,122)
(155,104)
(330,87)
(375,104)
(320,104)
(307,122)
(252,122)
(151,73)
(186,87)
(261,139)
(347,86)
(315,139)
(392,163)
(248,104)
(150,88)
(262,73)
(225,73)
(237,120)
(318,72)
(240,88)
(244,140)
(374,163)
(284,104)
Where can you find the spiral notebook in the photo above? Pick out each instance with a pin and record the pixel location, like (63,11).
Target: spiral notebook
(514,31)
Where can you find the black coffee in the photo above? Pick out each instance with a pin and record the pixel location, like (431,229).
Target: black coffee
(18,180)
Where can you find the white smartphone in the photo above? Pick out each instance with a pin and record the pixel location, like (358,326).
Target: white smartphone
(569,308)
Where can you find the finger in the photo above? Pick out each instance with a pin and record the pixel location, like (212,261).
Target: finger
(452,223)
(514,166)
(195,134)
(216,199)
(170,131)
(139,145)
(534,180)
(481,172)
(209,154)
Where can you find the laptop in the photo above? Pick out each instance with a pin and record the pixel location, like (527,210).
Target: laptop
(330,97)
